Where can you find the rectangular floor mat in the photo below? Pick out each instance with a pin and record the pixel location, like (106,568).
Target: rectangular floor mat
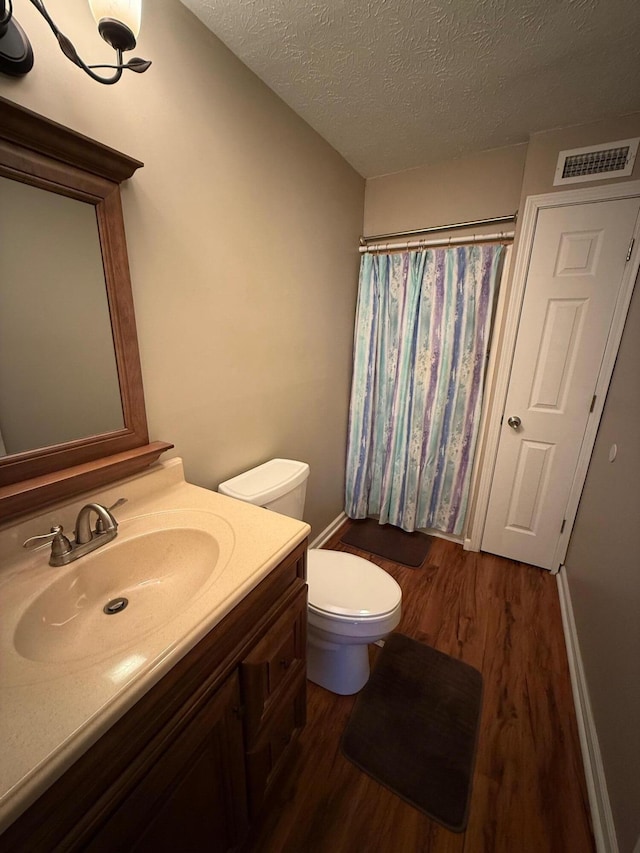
(414,728)
(385,540)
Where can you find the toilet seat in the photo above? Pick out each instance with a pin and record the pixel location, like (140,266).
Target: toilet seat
(345,587)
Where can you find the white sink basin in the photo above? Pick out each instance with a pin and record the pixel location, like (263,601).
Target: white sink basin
(160,563)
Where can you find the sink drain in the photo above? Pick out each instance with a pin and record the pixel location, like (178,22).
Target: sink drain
(116,605)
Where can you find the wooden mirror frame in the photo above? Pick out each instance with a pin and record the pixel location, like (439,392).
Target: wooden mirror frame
(44,154)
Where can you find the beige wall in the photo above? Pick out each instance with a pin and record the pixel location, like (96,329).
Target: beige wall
(478,186)
(485,184)
(544,148)
(241,230)
(603,569)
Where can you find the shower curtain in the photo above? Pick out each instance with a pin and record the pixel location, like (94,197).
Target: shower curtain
(421,339)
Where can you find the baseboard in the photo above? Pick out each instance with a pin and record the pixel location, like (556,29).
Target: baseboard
(328,532)
(601,816)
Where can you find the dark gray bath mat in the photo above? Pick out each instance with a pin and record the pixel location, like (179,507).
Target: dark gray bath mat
(414,728)
(385,540)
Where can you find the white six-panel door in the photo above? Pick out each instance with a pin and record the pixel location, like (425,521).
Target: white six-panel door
(573,282)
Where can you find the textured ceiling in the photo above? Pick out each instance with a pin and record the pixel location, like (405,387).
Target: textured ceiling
(393,84)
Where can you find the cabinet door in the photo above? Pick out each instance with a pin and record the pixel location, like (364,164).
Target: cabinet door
(273,677)
(270,753)
(194,798)
(275,662)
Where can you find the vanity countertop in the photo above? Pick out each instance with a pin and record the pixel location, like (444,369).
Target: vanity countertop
(52,710)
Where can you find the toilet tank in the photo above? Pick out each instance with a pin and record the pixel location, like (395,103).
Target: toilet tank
(279,485)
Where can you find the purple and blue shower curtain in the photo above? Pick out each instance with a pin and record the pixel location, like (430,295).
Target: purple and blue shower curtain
(422,333)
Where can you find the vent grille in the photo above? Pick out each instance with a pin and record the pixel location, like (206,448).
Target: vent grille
(613,159)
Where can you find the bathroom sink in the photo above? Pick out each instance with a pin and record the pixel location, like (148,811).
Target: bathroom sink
(159,563)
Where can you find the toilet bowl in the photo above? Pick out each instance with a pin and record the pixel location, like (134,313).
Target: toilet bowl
(352,602)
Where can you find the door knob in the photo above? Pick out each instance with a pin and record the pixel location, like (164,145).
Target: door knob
(514,422)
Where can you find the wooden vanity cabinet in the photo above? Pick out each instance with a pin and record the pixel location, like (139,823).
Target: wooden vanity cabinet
(194,760)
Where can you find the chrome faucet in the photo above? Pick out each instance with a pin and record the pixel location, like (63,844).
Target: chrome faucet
(64,551)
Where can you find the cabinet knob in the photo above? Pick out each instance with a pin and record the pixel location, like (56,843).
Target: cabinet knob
(285,664)
(238,711)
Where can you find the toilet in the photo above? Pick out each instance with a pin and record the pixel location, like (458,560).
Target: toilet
(352,602)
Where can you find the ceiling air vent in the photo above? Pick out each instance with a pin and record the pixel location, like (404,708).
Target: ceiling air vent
(613,159)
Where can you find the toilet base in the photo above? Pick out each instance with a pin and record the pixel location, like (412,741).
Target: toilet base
(342,669)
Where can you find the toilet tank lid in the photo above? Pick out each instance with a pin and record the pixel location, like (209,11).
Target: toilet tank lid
(266,482)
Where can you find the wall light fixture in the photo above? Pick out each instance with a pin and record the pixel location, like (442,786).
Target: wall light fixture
(118,23)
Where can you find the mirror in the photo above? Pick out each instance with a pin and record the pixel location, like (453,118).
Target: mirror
(72,411)
(58,371)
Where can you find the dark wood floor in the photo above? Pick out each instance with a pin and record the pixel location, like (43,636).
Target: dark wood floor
(529,794)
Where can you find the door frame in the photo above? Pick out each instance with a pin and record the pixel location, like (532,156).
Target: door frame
(490,430)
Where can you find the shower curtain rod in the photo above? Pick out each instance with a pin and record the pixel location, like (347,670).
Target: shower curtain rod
(474,223)
(501,237)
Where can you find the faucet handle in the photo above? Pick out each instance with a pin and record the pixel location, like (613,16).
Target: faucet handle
(60,545)
(100,523)
(118,503)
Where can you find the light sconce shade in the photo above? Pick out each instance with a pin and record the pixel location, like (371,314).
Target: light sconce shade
(118,24)
(128,12)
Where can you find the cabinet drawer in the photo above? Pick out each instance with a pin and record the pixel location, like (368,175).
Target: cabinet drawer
(276,661)
(270,753)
